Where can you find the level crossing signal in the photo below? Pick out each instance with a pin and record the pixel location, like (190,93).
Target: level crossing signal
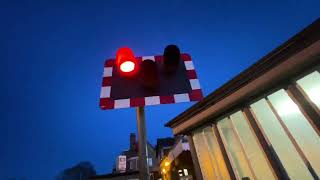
(130,81)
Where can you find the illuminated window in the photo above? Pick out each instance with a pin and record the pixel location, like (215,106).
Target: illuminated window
(207,168)
(235,150)
(185,171)
(215,153)
(310,85)
(279,140)
(299,127)
(150,161)
(252,149)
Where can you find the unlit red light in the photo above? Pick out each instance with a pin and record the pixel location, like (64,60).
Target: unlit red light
(127,66)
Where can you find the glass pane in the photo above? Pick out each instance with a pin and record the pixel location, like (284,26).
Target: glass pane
(234,149)
(251,147)
(310,84)
(203,156)
(216,154)
(289,157)
(301,130)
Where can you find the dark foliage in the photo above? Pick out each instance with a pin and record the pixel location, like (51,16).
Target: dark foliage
(82,171)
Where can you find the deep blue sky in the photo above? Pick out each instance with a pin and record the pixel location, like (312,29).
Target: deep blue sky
(52,55)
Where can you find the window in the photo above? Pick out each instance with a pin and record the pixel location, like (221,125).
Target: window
(278,138)
(234,149)
(207,168)
(132,163)
(185,171)
(215,153)
(252,149)
(150,162)
(298,126)
(310,85)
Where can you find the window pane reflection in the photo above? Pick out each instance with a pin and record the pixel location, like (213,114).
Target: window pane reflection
(216,154)
(234,149)
(252,149)
(299,127)
(289,157)
(203,156)
(310,84)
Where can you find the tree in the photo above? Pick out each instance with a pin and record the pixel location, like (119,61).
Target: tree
(81,171)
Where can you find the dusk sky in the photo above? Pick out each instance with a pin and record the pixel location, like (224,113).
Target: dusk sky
(52,55)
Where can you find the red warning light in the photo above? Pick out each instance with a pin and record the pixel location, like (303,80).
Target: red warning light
(127,66)
(126,62)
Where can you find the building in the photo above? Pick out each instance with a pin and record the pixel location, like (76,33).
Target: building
(132,175)
(127,163)
(265,122)
(164,145)
(177,163)
(132,157)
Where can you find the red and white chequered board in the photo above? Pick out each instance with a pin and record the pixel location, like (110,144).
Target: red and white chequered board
(108,103)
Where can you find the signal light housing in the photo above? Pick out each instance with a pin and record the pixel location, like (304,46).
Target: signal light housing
(149,75)
(171,59)
(126,62)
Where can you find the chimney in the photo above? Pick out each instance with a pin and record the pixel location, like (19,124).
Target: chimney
(132,141)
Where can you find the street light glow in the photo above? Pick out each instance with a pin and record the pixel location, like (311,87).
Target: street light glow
(166,164)
(163,170)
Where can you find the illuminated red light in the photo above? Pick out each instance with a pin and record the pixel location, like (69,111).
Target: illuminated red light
(126,61)
(127,66)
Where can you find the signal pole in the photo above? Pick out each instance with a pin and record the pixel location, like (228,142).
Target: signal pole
(143,148)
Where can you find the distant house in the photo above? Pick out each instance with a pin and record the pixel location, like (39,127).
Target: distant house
(177,163)
(127,163)
(132,156)
(163,147)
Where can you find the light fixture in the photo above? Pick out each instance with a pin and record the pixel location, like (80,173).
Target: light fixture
(166,164)
(163,171)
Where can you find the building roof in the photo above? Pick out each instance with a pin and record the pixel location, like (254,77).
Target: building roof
(111,175)
(134,152)
(280,55)
(165,142)
(179,147)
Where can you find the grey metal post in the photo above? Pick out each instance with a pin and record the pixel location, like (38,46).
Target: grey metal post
(143,149)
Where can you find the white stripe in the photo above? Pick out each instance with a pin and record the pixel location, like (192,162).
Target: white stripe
(107,72)
(105,92)
(148,57)
(122,103)
(152,100)
(189,65)
(194,84)
(181,98)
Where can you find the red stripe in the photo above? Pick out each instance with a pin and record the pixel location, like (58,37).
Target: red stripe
(106,103)
(186,57)
(139,59)
(134,102)
(106,81)
(166,99)
(158,58)
(192,74)
(196,95)
(109,63)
